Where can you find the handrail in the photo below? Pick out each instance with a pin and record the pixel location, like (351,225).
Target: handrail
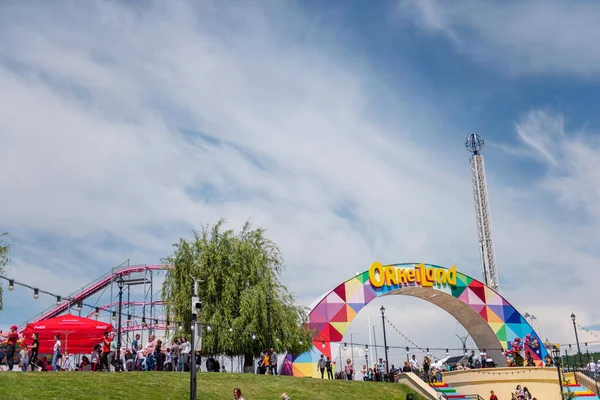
(90,289)
(473,396)
(589,380)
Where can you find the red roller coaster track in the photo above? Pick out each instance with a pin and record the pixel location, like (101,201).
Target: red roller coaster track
(91,289)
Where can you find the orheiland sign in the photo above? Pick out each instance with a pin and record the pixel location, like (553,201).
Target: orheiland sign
(388,275)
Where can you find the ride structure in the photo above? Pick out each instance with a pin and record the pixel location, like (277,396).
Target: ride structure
(474,143)
(141,308)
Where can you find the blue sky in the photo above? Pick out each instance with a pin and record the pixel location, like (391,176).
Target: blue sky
(336,126)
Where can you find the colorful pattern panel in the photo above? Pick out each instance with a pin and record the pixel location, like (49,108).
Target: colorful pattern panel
(331,317)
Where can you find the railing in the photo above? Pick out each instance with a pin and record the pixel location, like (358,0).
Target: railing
(466,396)
(589,380)
(589,374)
(473,397)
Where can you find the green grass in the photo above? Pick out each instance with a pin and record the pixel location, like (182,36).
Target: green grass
(170,385)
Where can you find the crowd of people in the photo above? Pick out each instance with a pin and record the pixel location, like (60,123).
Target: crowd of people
(378,372)
(154,356)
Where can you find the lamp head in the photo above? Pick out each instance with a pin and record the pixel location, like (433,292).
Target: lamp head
(382,309)
(573,317)
(556,355)
(120,282)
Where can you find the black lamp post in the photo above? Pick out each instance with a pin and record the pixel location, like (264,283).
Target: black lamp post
(587,351)
(387,367)
(556,355)
(407,354)
(577,340)
(120,282)
(269,321)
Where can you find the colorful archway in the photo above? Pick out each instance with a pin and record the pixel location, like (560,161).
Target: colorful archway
(490,319)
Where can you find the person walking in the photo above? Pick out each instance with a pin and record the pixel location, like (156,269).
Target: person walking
(321,366)
(185,348)
(11,344)
(35,347)
(273,360)
(56,353)
(149,353)
(329,368)
(105,352)
(175,355)
(349,370)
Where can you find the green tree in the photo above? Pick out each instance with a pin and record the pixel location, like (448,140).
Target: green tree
(4,248)
(238,271)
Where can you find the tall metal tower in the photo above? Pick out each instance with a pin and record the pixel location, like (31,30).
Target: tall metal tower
(474,143)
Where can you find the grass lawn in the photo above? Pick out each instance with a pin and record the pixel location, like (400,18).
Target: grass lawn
(170,385)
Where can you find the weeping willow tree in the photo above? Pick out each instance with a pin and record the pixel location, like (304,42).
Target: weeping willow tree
(239,274)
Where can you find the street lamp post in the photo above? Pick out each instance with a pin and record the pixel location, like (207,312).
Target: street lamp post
(556,355)
(352,347)
(269,321)
(587,351)
(121,283)
(375,342)
(577,340)
(387,367)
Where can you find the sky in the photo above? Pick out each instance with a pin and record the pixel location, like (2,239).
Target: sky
(338,126)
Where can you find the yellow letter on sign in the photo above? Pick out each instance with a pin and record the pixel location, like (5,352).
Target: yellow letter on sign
(376,274)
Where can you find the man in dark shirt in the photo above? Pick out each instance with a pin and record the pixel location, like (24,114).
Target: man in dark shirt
(35,347)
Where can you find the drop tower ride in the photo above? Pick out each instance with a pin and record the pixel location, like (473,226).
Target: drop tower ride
(474,143)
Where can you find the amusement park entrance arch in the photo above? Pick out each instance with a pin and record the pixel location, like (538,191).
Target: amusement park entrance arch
(490,319)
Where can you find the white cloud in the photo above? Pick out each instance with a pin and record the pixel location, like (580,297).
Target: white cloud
(526,37)
(113,128)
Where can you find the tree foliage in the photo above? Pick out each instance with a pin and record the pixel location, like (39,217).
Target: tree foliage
(237,272)
(4,248)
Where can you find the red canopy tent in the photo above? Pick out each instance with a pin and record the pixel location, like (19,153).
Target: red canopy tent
(77,335)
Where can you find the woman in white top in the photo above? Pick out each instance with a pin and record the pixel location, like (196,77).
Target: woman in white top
(140,359)
(24,359)
(95,357)
(150,361)
(56,353)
